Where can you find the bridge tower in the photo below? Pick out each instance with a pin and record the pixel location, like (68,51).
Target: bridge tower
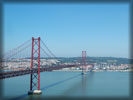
(84,66)
(35,64)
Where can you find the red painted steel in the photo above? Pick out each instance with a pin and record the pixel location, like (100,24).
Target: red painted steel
(84,65)
(85,62)
(35,57)
(39,63)
(82,62)
(31,63)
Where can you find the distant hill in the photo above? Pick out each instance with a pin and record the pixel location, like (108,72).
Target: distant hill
(110,60)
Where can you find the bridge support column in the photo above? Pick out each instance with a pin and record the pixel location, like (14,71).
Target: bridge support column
(84,67)
(35,64)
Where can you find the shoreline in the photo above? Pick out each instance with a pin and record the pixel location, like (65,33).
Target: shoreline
(98,70)
(76,70)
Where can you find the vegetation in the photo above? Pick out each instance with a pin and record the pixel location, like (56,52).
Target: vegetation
(109,60)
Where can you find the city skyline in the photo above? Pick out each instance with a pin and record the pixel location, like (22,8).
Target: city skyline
(67,29)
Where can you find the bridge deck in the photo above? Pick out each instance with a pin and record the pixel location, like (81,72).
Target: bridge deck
(28,71)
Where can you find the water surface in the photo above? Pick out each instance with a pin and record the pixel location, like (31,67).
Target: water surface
(71,84)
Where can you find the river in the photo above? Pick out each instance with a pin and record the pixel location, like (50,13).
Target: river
(70,84)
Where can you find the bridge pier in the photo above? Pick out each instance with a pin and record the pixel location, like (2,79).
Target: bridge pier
(35,76)
(35,92)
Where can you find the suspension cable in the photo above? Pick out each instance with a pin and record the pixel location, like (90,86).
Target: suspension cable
(48,49)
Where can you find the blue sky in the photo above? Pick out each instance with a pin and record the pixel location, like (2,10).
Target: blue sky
(67,29)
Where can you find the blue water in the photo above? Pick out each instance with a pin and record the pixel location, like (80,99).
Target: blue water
(71,84)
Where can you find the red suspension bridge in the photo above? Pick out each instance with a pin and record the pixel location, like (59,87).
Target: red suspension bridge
(32,63)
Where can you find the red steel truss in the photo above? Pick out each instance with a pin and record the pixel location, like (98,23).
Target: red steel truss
(35,63)
(84,66)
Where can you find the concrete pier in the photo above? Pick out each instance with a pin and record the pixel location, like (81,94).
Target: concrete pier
(35,92)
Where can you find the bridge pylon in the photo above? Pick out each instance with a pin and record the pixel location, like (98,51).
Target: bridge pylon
(35,64)
(84,66)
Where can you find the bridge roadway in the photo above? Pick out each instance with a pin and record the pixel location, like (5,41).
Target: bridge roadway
(28,71)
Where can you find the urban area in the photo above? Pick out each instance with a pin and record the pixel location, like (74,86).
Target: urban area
(92,63)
